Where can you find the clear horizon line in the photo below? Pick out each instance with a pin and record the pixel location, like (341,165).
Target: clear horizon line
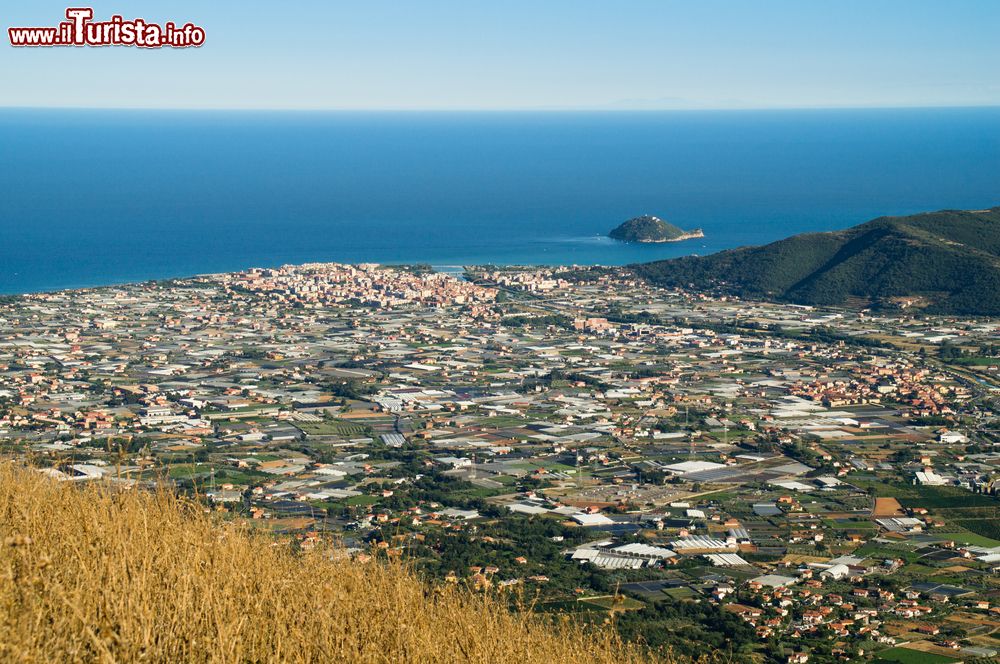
(567,109)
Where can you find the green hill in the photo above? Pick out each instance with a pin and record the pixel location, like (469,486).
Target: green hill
(943,262)
(648,228)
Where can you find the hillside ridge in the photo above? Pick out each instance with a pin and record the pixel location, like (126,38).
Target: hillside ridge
(945,262)
(105,573)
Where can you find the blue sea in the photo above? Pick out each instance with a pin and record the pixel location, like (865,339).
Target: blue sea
(102,197)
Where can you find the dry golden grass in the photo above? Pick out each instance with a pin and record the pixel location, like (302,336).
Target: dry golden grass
(94,574)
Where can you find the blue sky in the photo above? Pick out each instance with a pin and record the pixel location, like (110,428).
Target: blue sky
(524,54)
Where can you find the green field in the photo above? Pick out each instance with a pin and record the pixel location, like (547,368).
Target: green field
(908,656)
(982,532)
(849,525)
(340,428)
(187,471)
(946,497)
(623,603)
(359,500)
(977,361)
(886,489)
(681,592)
(881,551)
(238,477)
(589,604)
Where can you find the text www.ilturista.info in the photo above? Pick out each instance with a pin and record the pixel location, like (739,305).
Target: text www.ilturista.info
(81,30)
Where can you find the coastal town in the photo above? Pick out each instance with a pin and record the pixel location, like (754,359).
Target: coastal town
(784,483)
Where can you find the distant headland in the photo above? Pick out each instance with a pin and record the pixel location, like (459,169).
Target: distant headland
(648,228)
(945,263)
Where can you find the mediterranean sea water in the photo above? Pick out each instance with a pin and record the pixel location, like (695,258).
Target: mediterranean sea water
(93,197)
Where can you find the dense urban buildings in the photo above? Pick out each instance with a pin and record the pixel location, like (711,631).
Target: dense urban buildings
(784,482)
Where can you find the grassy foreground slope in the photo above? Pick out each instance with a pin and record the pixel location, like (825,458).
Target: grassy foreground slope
(946,262)
(101,575)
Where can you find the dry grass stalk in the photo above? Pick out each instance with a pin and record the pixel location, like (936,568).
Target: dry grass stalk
(95,574)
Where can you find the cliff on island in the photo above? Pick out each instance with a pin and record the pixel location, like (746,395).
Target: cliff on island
(648,228)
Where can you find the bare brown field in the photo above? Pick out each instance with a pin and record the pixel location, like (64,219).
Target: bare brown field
(929,647)
(955,569)
(801,559)
(887,507)
(972,619)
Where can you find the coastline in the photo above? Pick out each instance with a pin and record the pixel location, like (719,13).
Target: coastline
(691,235)
(281,201)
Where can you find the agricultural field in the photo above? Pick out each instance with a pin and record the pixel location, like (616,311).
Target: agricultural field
(341,428)
(887,506)
(603,604)
(910,656)
(934,497)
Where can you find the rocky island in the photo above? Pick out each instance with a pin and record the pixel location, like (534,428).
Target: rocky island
(648,228)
